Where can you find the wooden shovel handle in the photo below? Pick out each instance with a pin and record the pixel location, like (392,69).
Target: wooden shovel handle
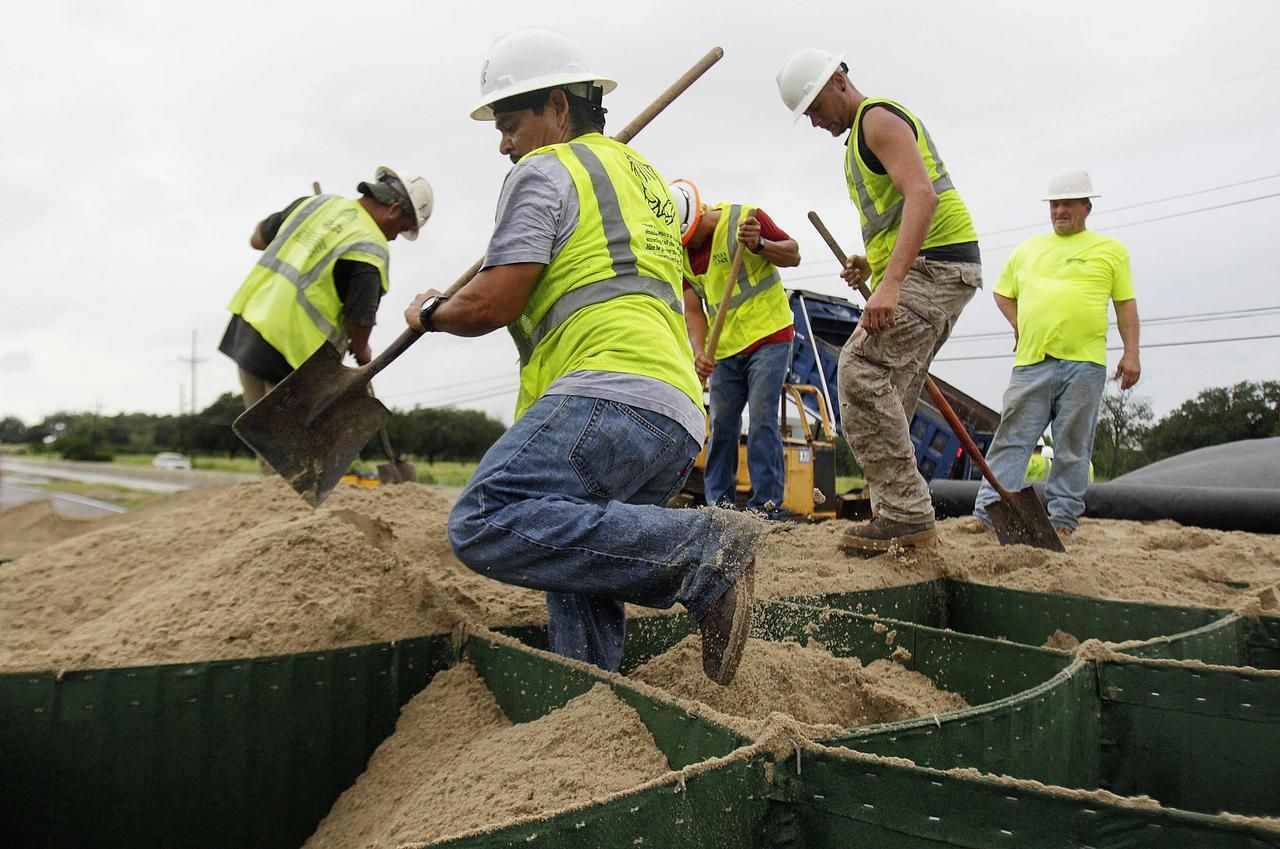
(735,269)
(407,338)
(939,400)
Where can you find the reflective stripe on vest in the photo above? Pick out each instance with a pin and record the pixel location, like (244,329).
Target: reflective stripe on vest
(875,222)
(271,261)
(625,281)
(746,289)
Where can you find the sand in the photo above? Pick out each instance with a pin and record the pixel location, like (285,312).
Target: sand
(1161,562)
(455,763)
(247,571)
(803,681)
(35,525)
(251,570)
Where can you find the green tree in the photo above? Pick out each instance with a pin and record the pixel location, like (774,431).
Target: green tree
(12,429)
(86,439)
(435,433)
(210,431)
(1247,410)
(1123,421)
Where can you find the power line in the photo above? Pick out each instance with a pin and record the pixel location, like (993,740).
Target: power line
(1110,210)
(1182,214)
(1162,321)
(1145,346)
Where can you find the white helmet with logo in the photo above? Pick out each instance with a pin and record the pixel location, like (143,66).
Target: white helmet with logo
(529,60)
(689,208)
(803,76)
(421,197)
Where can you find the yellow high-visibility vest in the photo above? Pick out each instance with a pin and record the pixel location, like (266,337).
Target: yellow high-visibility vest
(759,307)
(611,299)
(289,297)
(880,203)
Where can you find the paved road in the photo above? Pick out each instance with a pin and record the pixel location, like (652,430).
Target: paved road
(18,475)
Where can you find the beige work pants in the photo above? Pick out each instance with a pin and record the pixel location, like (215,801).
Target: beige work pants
(881,376)
(254,388)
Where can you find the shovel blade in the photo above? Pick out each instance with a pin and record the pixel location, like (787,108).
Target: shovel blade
(399,472)
(1020,519)
(313,423)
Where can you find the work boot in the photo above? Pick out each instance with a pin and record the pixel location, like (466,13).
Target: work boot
(725,627)
(881,534)
(1065,533)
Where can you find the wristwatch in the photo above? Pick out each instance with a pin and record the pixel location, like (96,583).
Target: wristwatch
(759,248)
(429,306)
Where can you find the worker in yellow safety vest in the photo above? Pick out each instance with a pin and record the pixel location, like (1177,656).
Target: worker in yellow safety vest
(922,265)
(583,269)
(753,353)
(322,273)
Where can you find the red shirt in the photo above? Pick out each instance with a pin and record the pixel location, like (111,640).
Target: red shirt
(700,256)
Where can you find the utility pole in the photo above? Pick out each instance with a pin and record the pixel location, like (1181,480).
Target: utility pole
(193,361)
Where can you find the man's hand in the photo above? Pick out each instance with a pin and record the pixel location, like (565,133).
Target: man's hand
(749,233)
(1128,370)
(704,365)
(856,271)
(881,310)
(362,353)
(412,311)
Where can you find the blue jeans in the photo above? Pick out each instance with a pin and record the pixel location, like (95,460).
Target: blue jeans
(753,380)
(1065,394)
(568,501)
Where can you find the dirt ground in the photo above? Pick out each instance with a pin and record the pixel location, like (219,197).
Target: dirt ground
(251,570)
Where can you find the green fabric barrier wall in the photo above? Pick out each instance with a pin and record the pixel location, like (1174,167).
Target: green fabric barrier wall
(1263,642)
(1200,738)
(845,801)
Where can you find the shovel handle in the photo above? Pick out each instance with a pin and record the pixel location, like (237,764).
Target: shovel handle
(405,340)
(714,338)
(386,445)
(939,400)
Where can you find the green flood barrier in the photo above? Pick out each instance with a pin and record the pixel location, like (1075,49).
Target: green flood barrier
(254,752)
(1144,629)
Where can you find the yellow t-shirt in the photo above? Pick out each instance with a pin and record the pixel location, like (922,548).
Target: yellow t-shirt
(1062,285)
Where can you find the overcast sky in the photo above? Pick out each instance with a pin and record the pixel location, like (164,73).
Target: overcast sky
(143,141)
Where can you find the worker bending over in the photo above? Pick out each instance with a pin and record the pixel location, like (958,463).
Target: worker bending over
(322,274)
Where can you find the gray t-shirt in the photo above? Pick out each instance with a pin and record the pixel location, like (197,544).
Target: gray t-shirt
(537,213)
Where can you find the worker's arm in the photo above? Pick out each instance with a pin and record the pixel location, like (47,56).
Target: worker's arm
(358,334)
(494,298)
(784,253)
(1129,369)
(1009,309)
(695,320)
(893,143)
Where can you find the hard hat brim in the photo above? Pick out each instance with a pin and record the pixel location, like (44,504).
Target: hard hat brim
(484,110)
(825,76)
(1070,196)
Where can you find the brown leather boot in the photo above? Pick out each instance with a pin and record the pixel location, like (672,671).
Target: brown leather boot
(725,627)
(881,534)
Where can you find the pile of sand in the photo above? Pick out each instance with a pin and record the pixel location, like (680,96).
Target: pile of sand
(247,571)
(455,763)
(804,681)
(35,525)
(1161,562)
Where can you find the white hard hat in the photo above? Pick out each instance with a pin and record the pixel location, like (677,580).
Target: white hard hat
(421,197)
(803,76)
(1070,185)
(689,208)
(528,60)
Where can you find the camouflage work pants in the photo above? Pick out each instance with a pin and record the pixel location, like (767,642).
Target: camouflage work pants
(881,376)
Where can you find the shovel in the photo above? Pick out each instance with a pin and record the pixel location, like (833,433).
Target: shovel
(713,339)
(1018,517)
(394,470)
(313,423)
